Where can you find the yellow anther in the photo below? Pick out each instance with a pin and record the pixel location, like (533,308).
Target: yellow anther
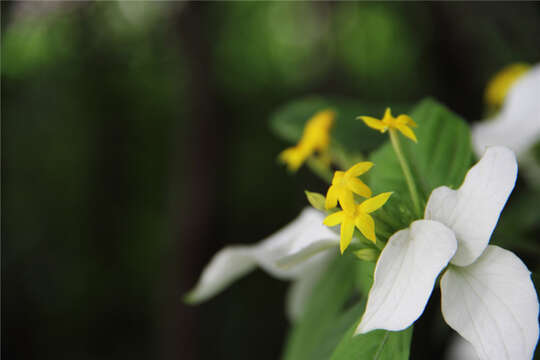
(500,84)
(315,138)
(403,123)
(359,217)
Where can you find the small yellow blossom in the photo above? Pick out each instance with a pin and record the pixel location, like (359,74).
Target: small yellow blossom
(344,184)
(403,123)
(498,86)
(359,218)
(295,156)
(316,137)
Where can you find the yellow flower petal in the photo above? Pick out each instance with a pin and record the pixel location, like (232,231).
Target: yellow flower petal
(374,203)
(406,120)
(366,225)
(405,130)
(374,123)
(315,137)
(500,84)
(331,198)
(402,123)
(346,200)
(359,169)
(347,230)
(293,157)
(334,219)
(387,116)
(338,176)
(358,187)
(317,130)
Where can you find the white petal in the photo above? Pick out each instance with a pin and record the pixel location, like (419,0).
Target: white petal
(299,238)
(304,240)
(473,210)
(460,349)
(522,98)
(303,256)
(225,267)
(493,304)
(517,126)
(405,273)
(499,130)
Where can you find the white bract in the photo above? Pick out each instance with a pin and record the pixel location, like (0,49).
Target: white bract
(517,125)
(299,252)
(460,349)
(487,293)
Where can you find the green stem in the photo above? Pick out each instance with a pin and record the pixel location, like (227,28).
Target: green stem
(343,159)
(321,169)
(394,138)
(383,342)
(378,245)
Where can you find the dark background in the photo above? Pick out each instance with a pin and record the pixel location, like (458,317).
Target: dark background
(135,144)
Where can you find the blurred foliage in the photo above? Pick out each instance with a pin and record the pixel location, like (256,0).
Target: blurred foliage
(332,314)
(318,332)
(262,46)
(379,41)
(135,137)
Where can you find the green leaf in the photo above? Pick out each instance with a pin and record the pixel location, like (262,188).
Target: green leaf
(318,332)
(348,133)
(333,312)
(364,277)
(337,303)
(316,200)
(339,327)
(378,344)
(375,345)
(442,155)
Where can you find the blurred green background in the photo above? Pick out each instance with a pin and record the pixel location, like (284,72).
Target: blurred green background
(135,144)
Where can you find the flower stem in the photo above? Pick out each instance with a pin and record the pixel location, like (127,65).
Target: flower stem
(378,245)
(394,138)
(343,159)
(320,168)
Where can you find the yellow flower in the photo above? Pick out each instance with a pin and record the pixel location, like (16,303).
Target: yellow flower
(316,137)
(359,218)
(344,184)
(498,86)
(403,123)
(295,156)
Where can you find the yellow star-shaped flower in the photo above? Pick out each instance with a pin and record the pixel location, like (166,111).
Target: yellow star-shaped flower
(403,123)
(316,137)
(344,184)
(359,218)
